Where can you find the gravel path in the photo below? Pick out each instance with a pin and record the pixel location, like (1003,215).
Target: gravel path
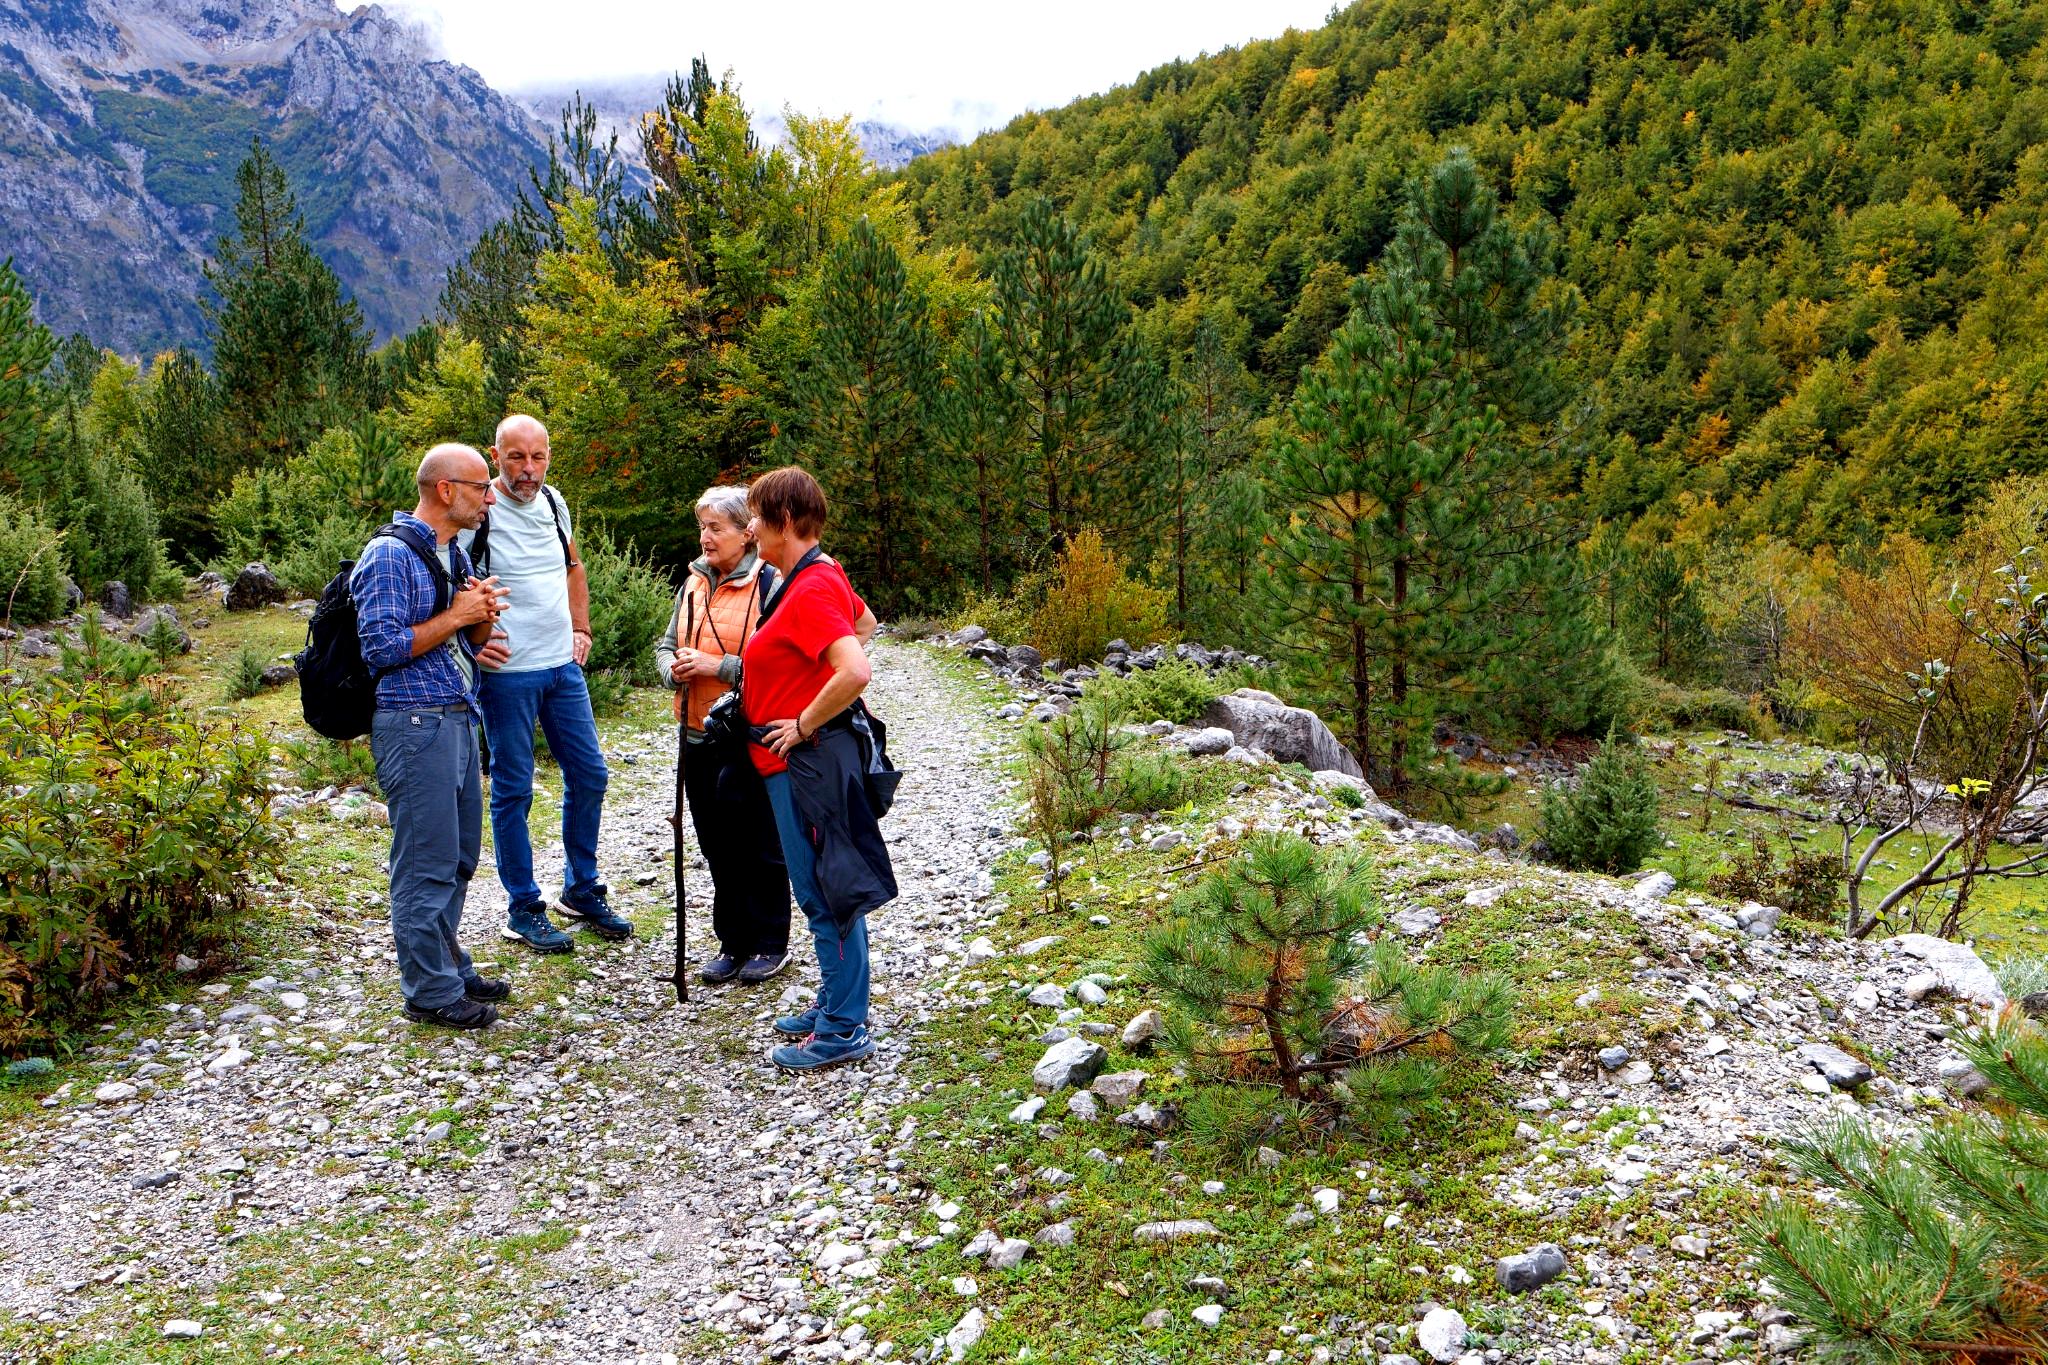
(287,1159)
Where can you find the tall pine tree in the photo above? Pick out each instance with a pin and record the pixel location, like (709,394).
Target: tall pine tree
(25,350)
(862,420)
(974,424)
(290,349)
(1090,396)
(181,425)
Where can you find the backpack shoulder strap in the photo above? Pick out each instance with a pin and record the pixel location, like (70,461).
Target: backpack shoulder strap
(417,543)
(480,546)
(561,531)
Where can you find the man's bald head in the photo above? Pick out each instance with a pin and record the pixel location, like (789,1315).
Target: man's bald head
(522,429)
(451,460)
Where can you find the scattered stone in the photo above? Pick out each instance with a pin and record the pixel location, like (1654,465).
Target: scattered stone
(1290,734)
(1864,998)
(1960,1076)
(1442,1334)
(1119,1088)
(114,1092)
(1033,947)
(146,624)
(981,950)
(183,1329)
(1155,1319)
(1055,1235)
(153,1181)
(1532,1269)
(1758,921)
(1613,1058)
(1175,1230)
(1417,921)
(1209,1314)
(1836,1066)
(1073,1062)
(1028,1111)
(1209,742)
(1686,1244)
(1656,886)
(1145,1026)
(1008,1253)
(115,599)
(965,1334)
(1048,996)
(1081,1104)
(1090,994)
(1326,1200)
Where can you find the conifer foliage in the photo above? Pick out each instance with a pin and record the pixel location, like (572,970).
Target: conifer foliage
(1284,1008)
(1937,1248)
(1606,819)
(290,349)
(25,351)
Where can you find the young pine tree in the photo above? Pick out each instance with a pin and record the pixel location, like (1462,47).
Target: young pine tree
(290,349)
(1606,818)
(1209,441)
(181,437)
(1934,1247)
(1090,396)
(862,419)
(1259,965)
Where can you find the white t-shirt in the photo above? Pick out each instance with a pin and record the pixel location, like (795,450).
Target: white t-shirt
(526,556)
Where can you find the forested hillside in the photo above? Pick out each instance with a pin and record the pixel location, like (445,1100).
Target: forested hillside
(1805,235)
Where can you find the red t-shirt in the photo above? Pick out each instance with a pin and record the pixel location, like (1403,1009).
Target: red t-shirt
(783,663)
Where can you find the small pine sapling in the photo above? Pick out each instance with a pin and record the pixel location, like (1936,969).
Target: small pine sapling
(1606,821)
(165,639)
(1935,1247)
(245,677)
(1255,965)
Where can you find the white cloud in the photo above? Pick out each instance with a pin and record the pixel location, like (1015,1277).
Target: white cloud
(913,62)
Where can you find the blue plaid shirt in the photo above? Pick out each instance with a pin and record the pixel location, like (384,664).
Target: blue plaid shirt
(393,592)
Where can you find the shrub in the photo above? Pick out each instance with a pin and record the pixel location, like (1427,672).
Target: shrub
(1176,690)
(1607,819)
(318,762)
(1931,1247)
(1089,601)
(1808,885)
(100,654)
(1077,754)
(630,601)
(1255,965)
(1007,619)
(1144,783)
(31,564)
(110,531)
(131,834)
(306,563)
(1667,706)
(916,627)
(245,675)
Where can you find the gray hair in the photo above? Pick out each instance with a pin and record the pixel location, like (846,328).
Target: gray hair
(728,500)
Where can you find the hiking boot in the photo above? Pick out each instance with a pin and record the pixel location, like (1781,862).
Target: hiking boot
(487,989)
(762,966)
(529,924)
(590,907)
(718,970)
(820,1050)
(460,1014)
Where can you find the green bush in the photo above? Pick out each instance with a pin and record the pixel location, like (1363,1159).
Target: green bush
(318,762)
(245,675)
(1176,691)
(1006,619)
(110,530)
(630,601)
(1607,819)
(31,563)
(1667,706)
(1807,885)
(132,834)
(306,564)
(1144,783)
(1089,601)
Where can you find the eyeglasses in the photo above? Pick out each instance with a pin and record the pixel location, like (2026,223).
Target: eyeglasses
(471,483)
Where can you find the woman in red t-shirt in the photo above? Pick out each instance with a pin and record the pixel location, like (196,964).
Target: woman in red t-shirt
(803,667)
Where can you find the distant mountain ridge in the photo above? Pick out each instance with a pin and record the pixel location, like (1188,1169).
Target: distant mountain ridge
(619,105)
(122,123)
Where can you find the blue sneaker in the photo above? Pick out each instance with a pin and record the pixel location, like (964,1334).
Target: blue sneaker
(591,907)
(799,1025)
(819,1051)
(529,924)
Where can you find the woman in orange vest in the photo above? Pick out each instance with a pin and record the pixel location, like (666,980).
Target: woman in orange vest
(716,613)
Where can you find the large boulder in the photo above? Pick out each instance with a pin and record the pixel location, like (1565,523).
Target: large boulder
(115,599)
(255,586)
(1954,969)
(1291,734)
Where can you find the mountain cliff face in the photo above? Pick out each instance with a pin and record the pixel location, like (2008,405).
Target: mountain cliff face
(122,123)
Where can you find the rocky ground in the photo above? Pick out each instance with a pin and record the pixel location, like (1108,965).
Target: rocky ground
(278,1163)
(604,1176)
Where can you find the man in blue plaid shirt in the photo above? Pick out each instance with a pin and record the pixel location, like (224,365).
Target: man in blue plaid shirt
(423,736)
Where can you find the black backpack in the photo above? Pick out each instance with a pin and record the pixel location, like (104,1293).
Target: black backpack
(337,692)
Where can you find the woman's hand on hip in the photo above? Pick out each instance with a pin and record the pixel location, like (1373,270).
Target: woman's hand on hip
(783,735)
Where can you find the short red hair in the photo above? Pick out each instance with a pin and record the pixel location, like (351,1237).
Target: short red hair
(790,500)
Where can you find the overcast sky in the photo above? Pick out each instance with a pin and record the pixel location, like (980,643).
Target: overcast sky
(919,63)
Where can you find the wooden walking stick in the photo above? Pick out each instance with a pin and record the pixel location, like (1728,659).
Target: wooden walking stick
(681,975)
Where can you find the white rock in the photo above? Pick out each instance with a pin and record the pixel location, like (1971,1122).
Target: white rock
(291,1000)
(1072,1062)
(838,1254)
(113,1092)
(1209,1314)
(981,950)
(1442,1334)
(1037,945)
(965,1333)
(1656,886)
(965,1287)
(1088,993)
(1028,1111)
(1961,972)
(183,1329)
(1008,1253)
(1048,996)
(1326,1200)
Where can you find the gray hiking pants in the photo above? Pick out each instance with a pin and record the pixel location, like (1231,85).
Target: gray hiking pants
(427,765)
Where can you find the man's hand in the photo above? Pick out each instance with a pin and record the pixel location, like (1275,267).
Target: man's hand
(783,735)
(480,600)
(695,663)
(579,645)
(497,651)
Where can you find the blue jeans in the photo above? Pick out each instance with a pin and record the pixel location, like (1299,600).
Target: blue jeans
(842,955)
(559,701)
(427,766)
